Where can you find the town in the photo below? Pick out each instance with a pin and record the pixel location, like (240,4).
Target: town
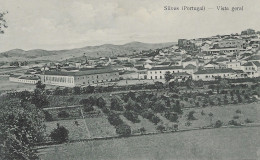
(232,56)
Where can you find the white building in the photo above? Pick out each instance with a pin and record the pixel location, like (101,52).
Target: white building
(24,79)
(159,72)
(212,74)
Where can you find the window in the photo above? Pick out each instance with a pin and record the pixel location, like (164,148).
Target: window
(160,71)
(160,77)
(155,77)
(151,77)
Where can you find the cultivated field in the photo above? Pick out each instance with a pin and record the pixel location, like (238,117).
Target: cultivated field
(100,127)
(222,143)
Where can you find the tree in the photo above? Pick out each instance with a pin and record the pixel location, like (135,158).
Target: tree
(114,119)
(40,85)
(39,98)
(60,134)
(20,128)
(211,117)
(191,115)
(158,85)
(76,90)
(173,117)
(159,106)
(173,87)
(223,83)
(101,102)
(132,116)
(116,103)
(130,105)
(168,76)
(200,83)
(2,22)
(177,107)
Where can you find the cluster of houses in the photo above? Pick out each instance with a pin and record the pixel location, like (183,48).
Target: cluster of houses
(231,56)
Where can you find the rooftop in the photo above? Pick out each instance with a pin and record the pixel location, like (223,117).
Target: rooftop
(248,64)
(255,57)
(212,71)
(167,68)
(190,66)
(80,73)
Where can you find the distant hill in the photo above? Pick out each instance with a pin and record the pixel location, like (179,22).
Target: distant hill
(91,51)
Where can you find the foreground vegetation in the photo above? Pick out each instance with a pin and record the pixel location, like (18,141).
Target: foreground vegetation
(100,113)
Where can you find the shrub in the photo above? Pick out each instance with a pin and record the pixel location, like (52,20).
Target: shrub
(60,134)
(83,101)
(211,102)
(218,124)
(236,117)
(88,108)
(63,114)
(142,130)
(147,114)
(160,128)
(123,130)
(234,102)
(238,111)
(188,123)
(155,119)
(105,110)
(248,121)
(48,116)
(225,101)
(233,122)
(151,117)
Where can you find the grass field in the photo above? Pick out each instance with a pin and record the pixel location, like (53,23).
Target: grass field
(75,131)
(223,143)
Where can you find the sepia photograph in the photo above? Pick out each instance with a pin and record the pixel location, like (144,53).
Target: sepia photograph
(129,80)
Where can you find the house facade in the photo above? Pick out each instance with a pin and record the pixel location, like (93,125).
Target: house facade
(159,72)
(79,78)
(212,74)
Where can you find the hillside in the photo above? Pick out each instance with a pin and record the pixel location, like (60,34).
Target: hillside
(91,51)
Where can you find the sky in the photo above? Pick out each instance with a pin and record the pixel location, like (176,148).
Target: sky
(66,24)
